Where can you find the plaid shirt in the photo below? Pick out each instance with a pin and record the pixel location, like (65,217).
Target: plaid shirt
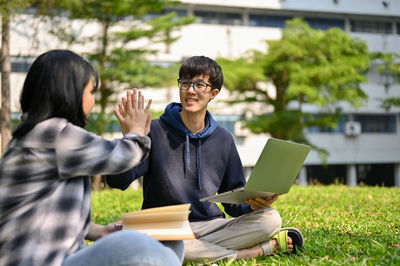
(45,188)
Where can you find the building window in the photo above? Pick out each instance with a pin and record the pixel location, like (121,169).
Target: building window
(206,17)
(324,24)
(268,21)
(340,127)
(20,67)
(21,64)
(375,174)
(279,22)
(376,123)
(180,14)
(371,26)
(326,174)
(227,121)
(398,28)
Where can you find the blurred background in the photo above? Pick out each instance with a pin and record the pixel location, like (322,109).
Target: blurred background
(321,72)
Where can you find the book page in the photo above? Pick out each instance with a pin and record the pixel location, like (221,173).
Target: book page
(171,208)
(162,223)
(164,231)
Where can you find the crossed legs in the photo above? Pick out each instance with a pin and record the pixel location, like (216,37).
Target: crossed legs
(233,237)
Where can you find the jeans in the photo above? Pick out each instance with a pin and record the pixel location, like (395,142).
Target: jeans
(127,248)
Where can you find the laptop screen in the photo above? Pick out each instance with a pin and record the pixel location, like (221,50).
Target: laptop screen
(277,166)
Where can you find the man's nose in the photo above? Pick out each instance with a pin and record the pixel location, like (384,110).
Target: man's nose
(192,85)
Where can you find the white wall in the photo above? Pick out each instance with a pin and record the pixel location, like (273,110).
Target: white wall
(370,7)
(363,149)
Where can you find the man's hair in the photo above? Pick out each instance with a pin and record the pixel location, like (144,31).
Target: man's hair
(202,65)
(54,87)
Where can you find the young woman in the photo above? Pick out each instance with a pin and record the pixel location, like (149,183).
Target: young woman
(44,173)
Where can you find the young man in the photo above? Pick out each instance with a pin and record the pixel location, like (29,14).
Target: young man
(192,157)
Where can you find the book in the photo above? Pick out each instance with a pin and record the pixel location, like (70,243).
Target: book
(163,223)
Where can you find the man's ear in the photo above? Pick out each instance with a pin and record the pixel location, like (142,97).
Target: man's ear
(214,94)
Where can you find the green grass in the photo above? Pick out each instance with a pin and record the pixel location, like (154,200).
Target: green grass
(341,225)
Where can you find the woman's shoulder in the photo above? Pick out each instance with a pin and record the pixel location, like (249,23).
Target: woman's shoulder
(51,127)
(45,133)
(54,122)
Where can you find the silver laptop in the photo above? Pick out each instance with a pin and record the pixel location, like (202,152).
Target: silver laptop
(274,172)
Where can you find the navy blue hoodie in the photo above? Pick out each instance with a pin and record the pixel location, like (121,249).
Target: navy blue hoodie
(183,167)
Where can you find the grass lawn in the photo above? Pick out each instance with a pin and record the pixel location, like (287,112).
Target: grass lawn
(341,225)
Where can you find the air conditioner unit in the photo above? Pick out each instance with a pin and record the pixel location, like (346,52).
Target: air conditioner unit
(352,128)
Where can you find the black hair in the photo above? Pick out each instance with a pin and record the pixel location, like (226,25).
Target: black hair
(202,65)
(54,87)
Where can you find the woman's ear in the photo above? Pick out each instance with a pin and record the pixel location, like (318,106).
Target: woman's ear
(214,94)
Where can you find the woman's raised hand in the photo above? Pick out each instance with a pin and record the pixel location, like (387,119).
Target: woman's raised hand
(132,115)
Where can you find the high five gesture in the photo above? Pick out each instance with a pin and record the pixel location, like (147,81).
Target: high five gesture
(132,115)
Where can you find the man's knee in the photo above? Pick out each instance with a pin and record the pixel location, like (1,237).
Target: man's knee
(271,222)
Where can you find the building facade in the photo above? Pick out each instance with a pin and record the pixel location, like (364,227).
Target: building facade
(365,147)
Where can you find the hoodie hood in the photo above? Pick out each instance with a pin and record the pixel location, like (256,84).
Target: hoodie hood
(173,118)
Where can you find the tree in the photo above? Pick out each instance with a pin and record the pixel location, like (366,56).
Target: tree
(306,67)
(121,62)
(388,65)
(5,80)
(119,58)
(7,10)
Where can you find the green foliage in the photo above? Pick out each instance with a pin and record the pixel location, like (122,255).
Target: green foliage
(242,74)
(388,65)
(306,67)
(391,102)
(8,7)
(341,225)
(123,42)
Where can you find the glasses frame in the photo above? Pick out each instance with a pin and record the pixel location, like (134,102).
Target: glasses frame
(193,83)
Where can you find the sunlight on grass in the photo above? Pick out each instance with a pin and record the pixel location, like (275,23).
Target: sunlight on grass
(341,225)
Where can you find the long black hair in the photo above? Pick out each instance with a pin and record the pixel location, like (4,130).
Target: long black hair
(54,87)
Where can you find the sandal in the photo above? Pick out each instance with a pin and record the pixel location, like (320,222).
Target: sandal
(282,239)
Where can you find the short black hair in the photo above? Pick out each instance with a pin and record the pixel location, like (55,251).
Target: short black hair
(54,87)
(202,65)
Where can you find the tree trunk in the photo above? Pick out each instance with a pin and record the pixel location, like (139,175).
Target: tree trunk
(5,83)
(98,180)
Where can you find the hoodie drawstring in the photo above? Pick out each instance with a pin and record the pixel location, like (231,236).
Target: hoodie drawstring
(187,151)
(198,160)
(199,165)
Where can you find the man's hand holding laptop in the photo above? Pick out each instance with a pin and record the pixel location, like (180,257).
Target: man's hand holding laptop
(260,203)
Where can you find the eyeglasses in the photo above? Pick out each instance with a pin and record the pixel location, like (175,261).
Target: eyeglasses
(198,86)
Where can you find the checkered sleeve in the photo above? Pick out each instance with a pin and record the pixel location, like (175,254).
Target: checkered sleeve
(81,153)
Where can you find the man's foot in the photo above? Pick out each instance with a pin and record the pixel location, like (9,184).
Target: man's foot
(287,240)
(275,246)
(257,250)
